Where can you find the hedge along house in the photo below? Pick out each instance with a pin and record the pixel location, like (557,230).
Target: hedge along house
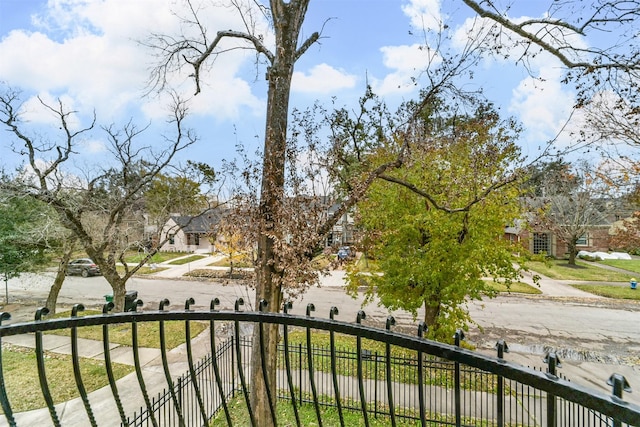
(186,233)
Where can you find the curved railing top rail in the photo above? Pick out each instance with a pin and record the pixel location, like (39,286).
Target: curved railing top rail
(606,404)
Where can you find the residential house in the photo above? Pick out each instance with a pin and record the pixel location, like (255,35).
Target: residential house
(186,233)
(343,232)
(596,237)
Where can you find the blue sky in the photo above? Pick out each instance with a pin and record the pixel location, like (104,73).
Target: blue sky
(86,53)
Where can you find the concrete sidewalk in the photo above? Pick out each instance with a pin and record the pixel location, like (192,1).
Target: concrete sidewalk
(171,270)
(557,288)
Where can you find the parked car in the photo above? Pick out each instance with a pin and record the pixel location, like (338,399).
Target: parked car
(84,267)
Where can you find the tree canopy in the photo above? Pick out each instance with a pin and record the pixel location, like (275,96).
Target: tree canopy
(433,253)
(26,242)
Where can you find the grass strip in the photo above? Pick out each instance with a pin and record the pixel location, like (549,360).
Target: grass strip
(514,288)
(561,270)
(23,386)
(148,332)
(330,416)
(187,260)
(633,265)
(611,291)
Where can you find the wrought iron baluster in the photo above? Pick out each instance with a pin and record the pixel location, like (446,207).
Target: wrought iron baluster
(245,391)
(165,364)
(336,388)
(287,362)
(502,348)
(311,308)
(4,400)
(363,401)
(422,328)
(263,364)
(136,361)
(554,362)
(458,337)
(106,308)
(192,371)
(214,361)
(619,384)
(390,322)
(75,357)
(42,375)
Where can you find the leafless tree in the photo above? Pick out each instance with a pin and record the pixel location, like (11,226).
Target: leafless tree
(573,202)
(609,62)
(598,43)
(101,208)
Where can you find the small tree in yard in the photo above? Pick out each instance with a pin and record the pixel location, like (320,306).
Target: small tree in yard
(24,243)
(99,209)
(626,236)
(231,240)
(435,252)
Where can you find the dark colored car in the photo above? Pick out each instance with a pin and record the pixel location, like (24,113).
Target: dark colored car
(84,267)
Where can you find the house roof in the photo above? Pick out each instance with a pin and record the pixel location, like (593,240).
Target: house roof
(202,223)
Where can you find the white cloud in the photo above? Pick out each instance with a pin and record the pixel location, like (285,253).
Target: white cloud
(407,63)
(89,50)
(544,105)
(424,14)
(322,79)
(94,146)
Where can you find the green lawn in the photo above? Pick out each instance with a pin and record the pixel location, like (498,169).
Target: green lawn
(23,386)
(561,270)
(148,332)
(239,261)
(330,416)
(517,288)
(187,260)
(611,291)
(142,270)
(135,257)
(627,264)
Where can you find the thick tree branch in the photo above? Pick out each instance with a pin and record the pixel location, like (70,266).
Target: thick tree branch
(557,51)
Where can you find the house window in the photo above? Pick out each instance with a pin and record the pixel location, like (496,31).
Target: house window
(172,239)
(196,239)
(540,243)
(583,240)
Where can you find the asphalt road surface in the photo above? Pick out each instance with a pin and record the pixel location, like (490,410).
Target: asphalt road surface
(583,327)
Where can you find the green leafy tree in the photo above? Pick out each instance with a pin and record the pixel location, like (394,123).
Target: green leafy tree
(22,248)
(434,253)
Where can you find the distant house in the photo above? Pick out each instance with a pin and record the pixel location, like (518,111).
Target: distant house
(343,232)
(596,236)
(185,233)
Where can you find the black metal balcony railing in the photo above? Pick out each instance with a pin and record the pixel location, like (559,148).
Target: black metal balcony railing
(431,383)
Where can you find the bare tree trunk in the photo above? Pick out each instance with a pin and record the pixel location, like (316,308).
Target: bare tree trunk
(571,248)
(52,299)
(288,18)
